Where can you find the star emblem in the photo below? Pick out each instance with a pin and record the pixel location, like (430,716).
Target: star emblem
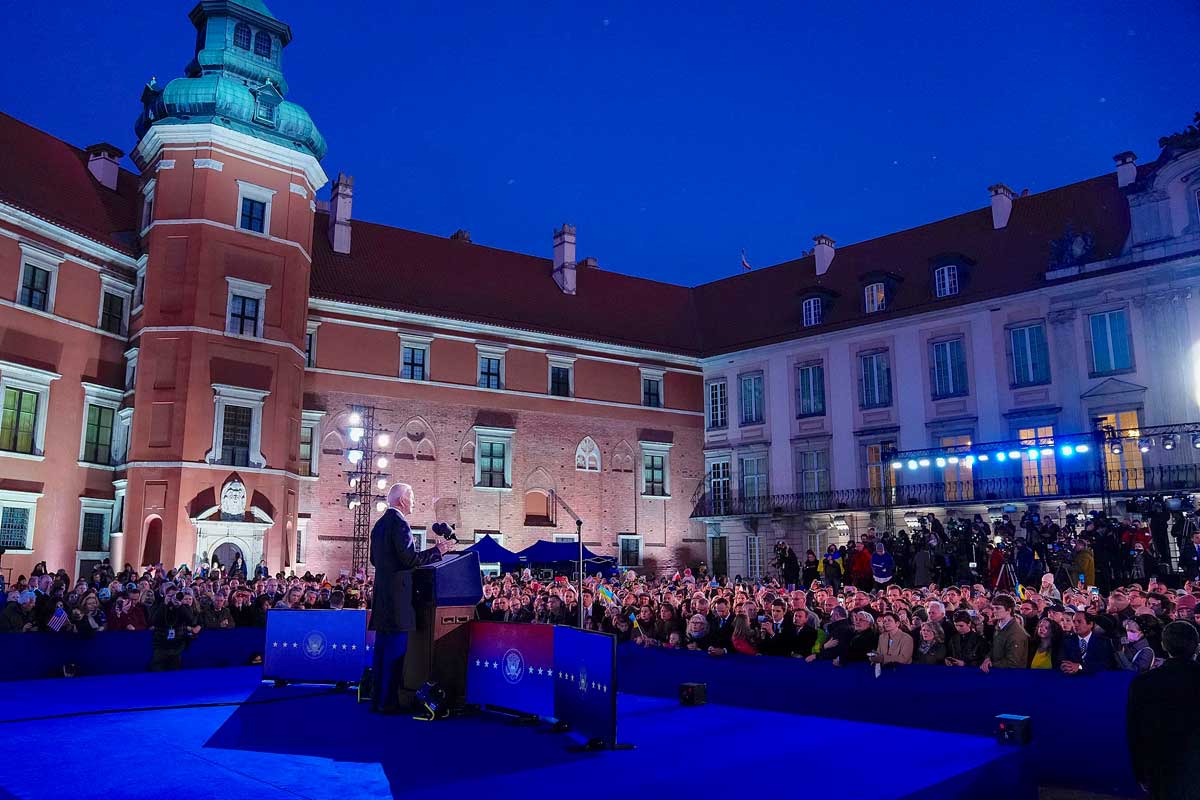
(539,670)
(274,644)
(477,662)
(531,670)
(353,647)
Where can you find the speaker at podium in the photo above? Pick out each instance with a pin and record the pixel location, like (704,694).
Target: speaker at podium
(445,594)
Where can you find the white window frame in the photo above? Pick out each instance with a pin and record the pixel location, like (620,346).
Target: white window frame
(414,342)
(958,384)
(565,538)
(310,355)
(621,537)
(1094,367)
(312,419)
(563,362)
(762,481)
(121,437)
(722,506)
(131,362)
(247,190)
(804,377)
(27,501)
(139,287)
(503,436)
(587,456)
(485,351)
(31,379)
(120,489)
(652,374)
(876,356)
(874,297)
(711,407)
(253,290)
(811,312)
(103,397)
(1029,379)
(743,421)
(42,259)
(657,449)
(147,212)
(945,280)
(110,285)
(802,471)
(91,505)
(226,395)
(302,540)
(754,562)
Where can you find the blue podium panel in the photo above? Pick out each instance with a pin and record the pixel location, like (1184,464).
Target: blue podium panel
(511,666)
(315,646)
(585,686)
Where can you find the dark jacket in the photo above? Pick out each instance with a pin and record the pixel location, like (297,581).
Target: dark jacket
(1099,656)
(13,619)
(1160,722)
(936,654)
(394,557)
(971,649)
(782,643)
(720,635)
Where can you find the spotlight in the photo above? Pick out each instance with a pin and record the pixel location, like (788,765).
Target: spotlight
(355,418)
(1145,443)
(897,465)
(1067,450)
(1033,454)
(1014,454)
(1169,440)
(354,483)
(352,503)
(912,519)
(1000,457)
(380,506)
(1081,448)
(952,459)
(840,523)
(1196,440)
(381,462)
(354,456)
(356,434)
(1047,451)
(970,460)
(941,462)
(912,464)
(383,440)
(1115,447)
(924,462)
(982,456)
(381,484)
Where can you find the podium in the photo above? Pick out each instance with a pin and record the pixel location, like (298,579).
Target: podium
(444,597)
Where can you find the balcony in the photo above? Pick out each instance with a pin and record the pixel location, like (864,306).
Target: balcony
(1090,483)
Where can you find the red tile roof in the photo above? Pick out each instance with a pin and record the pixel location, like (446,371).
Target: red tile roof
(49,178)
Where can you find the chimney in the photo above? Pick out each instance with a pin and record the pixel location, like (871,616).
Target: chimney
(564,258)
(103,163)
(1126,168)
(341,199)
(588,263)
(461,235)
(822,253)
(1002,198)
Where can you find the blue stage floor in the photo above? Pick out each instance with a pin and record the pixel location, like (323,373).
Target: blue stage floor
(62,740)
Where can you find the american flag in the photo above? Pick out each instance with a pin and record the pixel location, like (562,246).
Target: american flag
(58,621)
(745,264)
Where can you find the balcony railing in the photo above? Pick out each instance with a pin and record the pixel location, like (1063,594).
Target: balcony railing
(1091,483)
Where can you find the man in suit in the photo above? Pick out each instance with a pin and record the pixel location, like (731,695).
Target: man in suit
(778,634)
(1086,650)
(720,628)
(1160,720)
(394,557)
(1189,557)
(1010,643)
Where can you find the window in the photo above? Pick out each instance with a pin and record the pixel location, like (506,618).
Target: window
(945,280)
(565,538)
(754,564)
(1039,473)
(148,203)
(237,427)
(414,365)
(244,314)
(235,437)
(241,36)
(1110,342)
(874,297)
(630,548)
(15,527)
(812,471)
(948,372)
(652,392)
(881,478)
(254,207)
(98,435)
(18,425)
(718,405)
(1125,469)
(720,488)
(957,474)
(811,312)
(587,456)
(310,344)
(302,540)
(493,458)
(656,469)
(262,44)
(751,398)
(754,482)
(35,287)
(131,361)
(560,381)
(875,380)
(810,390)
(264,111)
(112,313)
(310,436)
(489,372)
(139,288)
(306,450)
(93,532)
(1030,356)
(254,215)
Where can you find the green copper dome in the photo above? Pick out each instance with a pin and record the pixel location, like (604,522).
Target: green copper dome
(235,79)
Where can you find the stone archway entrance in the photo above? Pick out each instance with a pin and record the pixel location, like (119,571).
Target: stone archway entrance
(225,553)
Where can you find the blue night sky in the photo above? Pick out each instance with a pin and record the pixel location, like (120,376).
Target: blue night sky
(671,135)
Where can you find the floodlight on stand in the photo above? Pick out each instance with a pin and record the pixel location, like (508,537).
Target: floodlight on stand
(982,456)
(354,456)
(383,440)
(353,482)
(1196,440)
(1169,441)
(1145,443)
(897,465)
(352,502)
(1067,450)
(356,434)
(381,462)
(1033,454)
(1115,447)
(355,418)
(1000,457)
(941,462)
(380,506)
(1081,448)
(912,463)
(381,484)
(952,460)
(1014,454)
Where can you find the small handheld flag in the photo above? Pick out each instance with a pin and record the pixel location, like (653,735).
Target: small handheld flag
(606,594)
(745,264)
(58,621)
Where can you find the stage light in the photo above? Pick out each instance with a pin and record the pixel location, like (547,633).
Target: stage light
(1115,447)
(1196,440)
(1033,454)
(1081,448)
(952,460)
(912,519)
(897,465)
(1067,450)
(924,462)
(983,456)
(356,434)
(355,418)
(352,503)
(970,460)
(381,484)
(941,462)
(353,483)
(912,464)
(380,506)
(1000,457)
(1047,451)
(1145,443)
(839,523)
(354,456)
(381,462)
(1014,454)
(1169,440)
(383,440)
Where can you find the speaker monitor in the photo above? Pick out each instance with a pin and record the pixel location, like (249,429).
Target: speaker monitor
(693,694)
(1013,729)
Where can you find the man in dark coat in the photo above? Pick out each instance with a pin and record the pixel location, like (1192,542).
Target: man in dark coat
(1160,720)
(394,557)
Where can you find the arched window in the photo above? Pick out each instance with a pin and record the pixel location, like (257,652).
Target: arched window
(241,36)
(262,44)
(537,508)
(587,456)
(812,312)
(152,545)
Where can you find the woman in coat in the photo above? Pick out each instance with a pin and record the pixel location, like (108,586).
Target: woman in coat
(931,644)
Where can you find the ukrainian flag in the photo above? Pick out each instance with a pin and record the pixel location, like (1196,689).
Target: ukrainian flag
(606,594)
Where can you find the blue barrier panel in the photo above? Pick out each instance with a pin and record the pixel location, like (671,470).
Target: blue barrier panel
(585,691)
(1071,715)
(512,667)
(315,646)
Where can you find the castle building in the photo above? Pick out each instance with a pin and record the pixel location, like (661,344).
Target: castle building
(183,351)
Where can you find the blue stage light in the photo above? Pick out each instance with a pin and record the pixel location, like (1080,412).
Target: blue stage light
(952,459)
(999,456)
(897,465)
(1081,448)
(941,462)
(912,464)
(1014,454)
(984,456)
(1033,454)
(1047,451)
(1067,450)
(924,462)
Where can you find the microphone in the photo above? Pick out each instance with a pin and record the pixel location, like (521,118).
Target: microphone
(445,531)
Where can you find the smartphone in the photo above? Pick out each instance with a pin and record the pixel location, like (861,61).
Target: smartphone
(1093,591)
(1082,579)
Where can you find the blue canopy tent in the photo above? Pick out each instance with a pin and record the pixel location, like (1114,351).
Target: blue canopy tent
(492,552)
(556,554)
